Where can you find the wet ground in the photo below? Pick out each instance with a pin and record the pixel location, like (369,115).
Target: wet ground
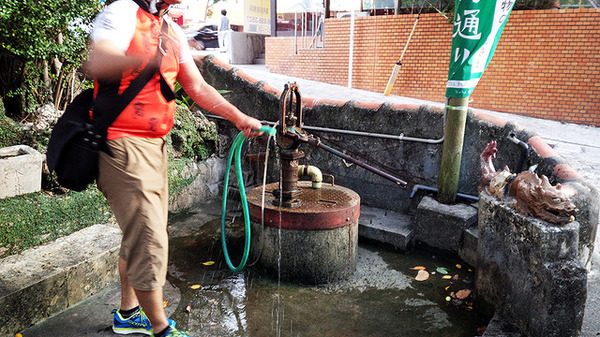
(382,298)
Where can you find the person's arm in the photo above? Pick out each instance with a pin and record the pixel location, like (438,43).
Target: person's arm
(107,61)
(210,99)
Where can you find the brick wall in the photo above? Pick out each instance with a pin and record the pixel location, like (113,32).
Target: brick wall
(546,65)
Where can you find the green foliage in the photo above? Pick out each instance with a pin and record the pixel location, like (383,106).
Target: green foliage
(42,43)
(179,175)
(36,218)
(10,132)
(193,136)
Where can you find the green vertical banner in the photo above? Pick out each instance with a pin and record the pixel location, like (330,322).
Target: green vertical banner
(478,25)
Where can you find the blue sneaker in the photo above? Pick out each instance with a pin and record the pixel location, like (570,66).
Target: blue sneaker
(136,323)
(172,332)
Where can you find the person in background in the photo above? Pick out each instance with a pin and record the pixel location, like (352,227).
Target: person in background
(224,30)
(126,37)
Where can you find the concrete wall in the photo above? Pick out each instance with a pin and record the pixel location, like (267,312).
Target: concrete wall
(417,163)
(546,64)
(245,47)
(530,269)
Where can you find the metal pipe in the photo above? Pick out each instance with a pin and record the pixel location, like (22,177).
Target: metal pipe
(433,189)
(351,50)
(524,151)
(376,135)
(313,172)
(401,137)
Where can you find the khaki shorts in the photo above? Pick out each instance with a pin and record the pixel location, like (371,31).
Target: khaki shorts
(135,184)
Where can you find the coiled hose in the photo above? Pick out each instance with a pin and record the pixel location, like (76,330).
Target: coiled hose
(236,150)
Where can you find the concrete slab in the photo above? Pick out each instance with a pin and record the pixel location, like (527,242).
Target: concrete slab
(46,280)
(20,170)
(468,247)
(385,227)
(442,226)
(92,317)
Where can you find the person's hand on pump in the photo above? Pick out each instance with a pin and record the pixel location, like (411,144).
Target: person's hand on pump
(249,126)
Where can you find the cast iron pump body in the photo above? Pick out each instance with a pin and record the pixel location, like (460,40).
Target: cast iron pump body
(289,138)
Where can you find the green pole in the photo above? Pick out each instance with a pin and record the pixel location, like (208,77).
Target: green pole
(454,134)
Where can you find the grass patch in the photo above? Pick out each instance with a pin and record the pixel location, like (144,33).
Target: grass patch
(33,219)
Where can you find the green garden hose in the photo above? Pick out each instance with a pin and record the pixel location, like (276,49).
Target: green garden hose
(236,150)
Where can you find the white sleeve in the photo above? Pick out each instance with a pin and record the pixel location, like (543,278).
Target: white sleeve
(185,55)
(116,23)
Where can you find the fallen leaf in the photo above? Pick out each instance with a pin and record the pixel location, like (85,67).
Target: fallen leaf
(446,277)
(442,270)
(165,303)
(455,277)
(418,268)
(422,275)
(458,266)
(448,287)
(18,335)
(188,308)
(208,263)
(448,299)
(462,294)
(196,286)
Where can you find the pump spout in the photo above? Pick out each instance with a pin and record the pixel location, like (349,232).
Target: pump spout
(313,172)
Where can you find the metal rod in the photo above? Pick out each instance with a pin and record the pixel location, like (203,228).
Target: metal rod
(361,164)
(357,133)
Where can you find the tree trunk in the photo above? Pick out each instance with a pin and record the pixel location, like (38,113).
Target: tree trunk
(12,70)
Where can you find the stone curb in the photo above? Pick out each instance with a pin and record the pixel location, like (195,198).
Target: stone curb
(46,280)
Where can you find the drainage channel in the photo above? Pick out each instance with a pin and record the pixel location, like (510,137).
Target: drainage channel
(381,298)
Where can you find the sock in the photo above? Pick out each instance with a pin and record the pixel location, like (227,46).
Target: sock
(128,313)
(162,333)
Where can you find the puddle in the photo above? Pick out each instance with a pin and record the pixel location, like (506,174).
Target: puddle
(381,298)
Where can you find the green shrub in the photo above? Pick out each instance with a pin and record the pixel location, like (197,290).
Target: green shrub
(10,132)
(193,138)
(193,135)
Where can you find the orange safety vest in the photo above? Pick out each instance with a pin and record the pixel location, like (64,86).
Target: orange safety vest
(149,114)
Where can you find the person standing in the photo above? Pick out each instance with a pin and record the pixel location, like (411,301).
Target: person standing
(224,31)
(127,36)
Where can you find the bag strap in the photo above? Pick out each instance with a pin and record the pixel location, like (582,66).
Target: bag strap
(113,106)
(143,5)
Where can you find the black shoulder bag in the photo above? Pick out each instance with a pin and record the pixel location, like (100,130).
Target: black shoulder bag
(75,142)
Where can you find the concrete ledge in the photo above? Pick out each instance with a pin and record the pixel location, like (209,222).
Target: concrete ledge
(442,226)
(530,270)
(386,227)
(46,280)
(209,175)
(20,170)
